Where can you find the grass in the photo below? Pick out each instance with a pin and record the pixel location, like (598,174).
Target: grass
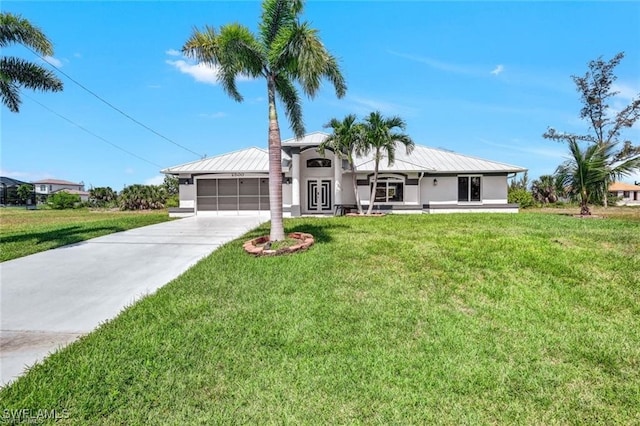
(24,232)
(405,319)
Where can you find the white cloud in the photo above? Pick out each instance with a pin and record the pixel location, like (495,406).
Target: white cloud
(25,176)
(156,180)
(53,61)
(77,55)
(200,72)
(173,52)
(625,91)
(366,105)
(439,65)
(129,171)
(497,70)
(218,114)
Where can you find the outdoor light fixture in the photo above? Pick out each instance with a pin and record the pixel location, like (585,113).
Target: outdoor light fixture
(435,182)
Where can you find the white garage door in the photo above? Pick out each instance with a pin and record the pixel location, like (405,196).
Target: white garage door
(233,194)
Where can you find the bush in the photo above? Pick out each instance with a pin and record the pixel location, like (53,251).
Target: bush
(173,201)
(521,196)
(63,200)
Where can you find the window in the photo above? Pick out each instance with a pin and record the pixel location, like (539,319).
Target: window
(389,190)
(318,162)
(625,194)
(469,188)
(43,188)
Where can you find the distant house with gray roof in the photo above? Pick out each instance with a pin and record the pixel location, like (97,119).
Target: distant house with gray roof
(46,187)
(428,180)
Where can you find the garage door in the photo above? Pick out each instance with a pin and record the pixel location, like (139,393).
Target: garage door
(233,194)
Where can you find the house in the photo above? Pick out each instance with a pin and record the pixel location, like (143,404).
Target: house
(46,187)
(428,180)
(9,192)
(629,194)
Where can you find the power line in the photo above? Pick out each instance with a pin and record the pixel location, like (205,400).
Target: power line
(114,107)
(92,134)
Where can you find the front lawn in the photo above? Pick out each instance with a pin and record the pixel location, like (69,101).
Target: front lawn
(404,319)
(24,232)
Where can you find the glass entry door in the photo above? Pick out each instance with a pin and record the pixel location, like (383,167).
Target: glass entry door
(319,195)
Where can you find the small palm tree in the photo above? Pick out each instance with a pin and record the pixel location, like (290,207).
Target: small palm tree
(544,189)
(285,51)
(345,141)
(15,72)
(584,172)
(380,135)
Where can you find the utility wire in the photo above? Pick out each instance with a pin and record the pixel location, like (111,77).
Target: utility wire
(93,134)
(114,107)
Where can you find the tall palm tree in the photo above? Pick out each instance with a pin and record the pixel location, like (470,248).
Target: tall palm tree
(285,51)
(345,141)
(16,72)
(381,135)
(544,189)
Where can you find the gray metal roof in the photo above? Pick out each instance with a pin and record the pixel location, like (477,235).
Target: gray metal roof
(426,159)
(434,160)
(249,160)
(311,139)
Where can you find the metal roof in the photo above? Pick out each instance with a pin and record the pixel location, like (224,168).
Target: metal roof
(434,160)
(249,160)
(311,139)
(426,159)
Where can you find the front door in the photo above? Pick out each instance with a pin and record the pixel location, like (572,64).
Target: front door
(319,195)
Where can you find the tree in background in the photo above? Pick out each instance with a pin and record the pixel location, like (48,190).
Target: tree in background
(583,173)
(605,125)
(546,189)
(518,192)
(142,197)
(102,196)
(25,192)
(345,141)
(16,72)
(285,51)
(63,200)
(171,185)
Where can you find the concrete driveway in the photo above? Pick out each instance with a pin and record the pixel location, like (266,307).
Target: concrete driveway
(49,299)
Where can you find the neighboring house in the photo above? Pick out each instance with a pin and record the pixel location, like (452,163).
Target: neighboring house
(428,180)
(47,187)
(9,191)
(84,195)
(629,194)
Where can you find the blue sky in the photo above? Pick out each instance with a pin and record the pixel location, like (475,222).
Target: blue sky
(479,78)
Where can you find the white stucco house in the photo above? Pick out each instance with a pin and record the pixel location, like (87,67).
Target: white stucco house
(46,187)
(629,194)
(428,180)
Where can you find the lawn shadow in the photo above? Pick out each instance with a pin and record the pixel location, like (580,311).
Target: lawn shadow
(60,237)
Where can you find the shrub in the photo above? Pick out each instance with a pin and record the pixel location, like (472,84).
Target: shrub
(63,200)
(142,197)
(522,197)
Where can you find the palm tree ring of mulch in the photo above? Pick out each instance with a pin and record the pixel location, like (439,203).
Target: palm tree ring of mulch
(295,241)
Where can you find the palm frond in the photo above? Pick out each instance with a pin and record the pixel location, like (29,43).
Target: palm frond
(15,29)
(288,95)
(277,14)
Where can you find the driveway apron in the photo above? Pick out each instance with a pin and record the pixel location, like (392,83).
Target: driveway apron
(50,299)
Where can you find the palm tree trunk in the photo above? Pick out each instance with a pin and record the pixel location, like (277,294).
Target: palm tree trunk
(375,182)
(275,166)
(354,180)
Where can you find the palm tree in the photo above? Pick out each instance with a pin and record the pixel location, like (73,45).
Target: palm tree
(544,189)
(381,136)
(15,72)
(584,172)
(345,141)
(285,51)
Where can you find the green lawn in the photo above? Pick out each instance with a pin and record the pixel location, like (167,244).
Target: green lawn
(418,319)
(24,232)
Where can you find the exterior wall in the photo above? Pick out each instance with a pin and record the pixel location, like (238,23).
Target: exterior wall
(494,190)
(633,198)
(187,195)
(50,188)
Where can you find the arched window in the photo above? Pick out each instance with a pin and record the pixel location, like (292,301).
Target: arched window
(318,162)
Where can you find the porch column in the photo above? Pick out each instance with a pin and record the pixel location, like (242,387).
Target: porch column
(337,178)
(295,181)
